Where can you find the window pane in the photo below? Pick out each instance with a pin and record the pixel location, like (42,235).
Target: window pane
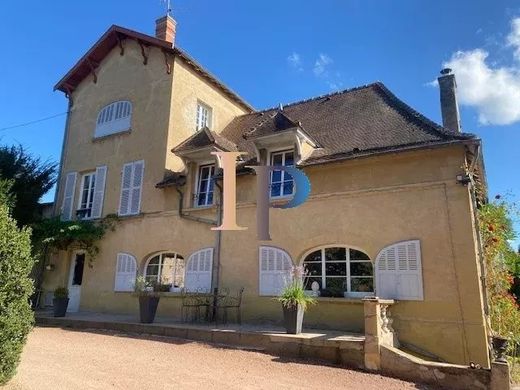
(277,159)
(210,198)
(314,256)
(168,266)
(313,269)
(334,254)
(335,269)
(358,255)
(361,269)
(201,199)
(288,188)
(275,189)
(289,159)
(336,285)
(276,176)
(361,284)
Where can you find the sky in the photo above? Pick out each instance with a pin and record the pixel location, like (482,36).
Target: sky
(273,52)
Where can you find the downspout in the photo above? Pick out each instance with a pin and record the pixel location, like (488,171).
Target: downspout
(182,214)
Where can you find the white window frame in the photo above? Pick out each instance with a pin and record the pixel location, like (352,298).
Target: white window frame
(347,261)
(198,176)
(201,108)
(283,152)
(90,194)
(198,273)
(114,118)
(161,261)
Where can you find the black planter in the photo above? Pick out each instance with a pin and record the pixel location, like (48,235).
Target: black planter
(148,308)
(60,306)
(499,348)
(293,319)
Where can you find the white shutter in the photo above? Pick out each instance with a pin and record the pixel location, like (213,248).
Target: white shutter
(399,272)
(274,270)
(199,270)
(68,196)
(99,192)
(126,269)
(131,188)
(137,184)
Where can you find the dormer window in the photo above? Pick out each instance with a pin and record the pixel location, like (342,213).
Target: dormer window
(282,184)
(203,116)
(205,185)
(114,118)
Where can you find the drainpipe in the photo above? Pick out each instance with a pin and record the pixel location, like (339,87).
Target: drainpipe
(182,214)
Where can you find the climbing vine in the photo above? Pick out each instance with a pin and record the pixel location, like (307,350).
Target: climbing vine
(503,266)
(55,234)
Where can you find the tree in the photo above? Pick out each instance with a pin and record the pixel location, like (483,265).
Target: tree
(16,262)
(30,179)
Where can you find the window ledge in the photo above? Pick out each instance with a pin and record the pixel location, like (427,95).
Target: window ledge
(200,208)
(104,137)
(339,300)
(163,294)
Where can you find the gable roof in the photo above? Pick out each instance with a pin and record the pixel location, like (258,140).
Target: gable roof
(115,36)
(358,121)
(205,138)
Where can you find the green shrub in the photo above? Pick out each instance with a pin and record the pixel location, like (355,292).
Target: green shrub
(16,317)
(61,292)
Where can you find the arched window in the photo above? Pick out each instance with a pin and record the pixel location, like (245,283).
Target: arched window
(166,268)
(199,270)
(399,271)
(126,269)
(340,271)
(114,118)
(275,270)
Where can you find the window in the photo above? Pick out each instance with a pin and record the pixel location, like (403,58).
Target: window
(203,116)
(399,271)
(340,271)
(166,268)
(131,188)
(275,270)
(126,269)
(205,186)
(281,182)
(114,118)
(86,195)
(199,269)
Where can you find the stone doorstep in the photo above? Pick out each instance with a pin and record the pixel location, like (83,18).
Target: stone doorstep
(333,348)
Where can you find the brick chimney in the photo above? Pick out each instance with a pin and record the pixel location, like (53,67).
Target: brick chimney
(165,29)
(449,105)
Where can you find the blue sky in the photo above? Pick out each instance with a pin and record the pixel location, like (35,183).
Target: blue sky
(282,51)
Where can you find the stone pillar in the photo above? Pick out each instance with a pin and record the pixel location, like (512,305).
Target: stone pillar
(500,376)
(378,330)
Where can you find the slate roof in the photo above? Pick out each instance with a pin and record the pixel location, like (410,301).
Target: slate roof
(203,138)
(359,121)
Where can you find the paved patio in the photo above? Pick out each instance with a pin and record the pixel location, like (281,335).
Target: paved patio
(332,346)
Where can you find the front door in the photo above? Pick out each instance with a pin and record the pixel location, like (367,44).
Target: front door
(75,280)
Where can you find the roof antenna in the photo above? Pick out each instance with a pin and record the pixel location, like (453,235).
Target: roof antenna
(280,107)
(168,5)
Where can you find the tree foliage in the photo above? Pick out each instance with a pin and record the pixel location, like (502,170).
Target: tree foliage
(30,179)
(16,317)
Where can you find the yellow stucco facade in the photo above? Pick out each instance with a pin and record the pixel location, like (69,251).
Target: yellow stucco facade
(365,203)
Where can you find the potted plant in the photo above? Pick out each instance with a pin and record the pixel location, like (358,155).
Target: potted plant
(500,345)
(60,301)
(295,300)
(148,300)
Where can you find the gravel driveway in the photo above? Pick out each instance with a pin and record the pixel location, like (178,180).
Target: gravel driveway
(67,359)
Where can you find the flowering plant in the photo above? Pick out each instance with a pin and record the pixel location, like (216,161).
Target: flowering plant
(294,294)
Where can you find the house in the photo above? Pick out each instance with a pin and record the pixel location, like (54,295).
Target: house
(391,211)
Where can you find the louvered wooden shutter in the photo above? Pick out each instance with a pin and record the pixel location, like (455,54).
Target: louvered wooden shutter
(399,272)
(131,188)
(99,192)
(137,184)
(199,270)
(68,196)
(275,266)
(126,269)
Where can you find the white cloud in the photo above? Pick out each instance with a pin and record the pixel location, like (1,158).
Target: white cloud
(513,39)
(321,65)
(493,90)
(295,61)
